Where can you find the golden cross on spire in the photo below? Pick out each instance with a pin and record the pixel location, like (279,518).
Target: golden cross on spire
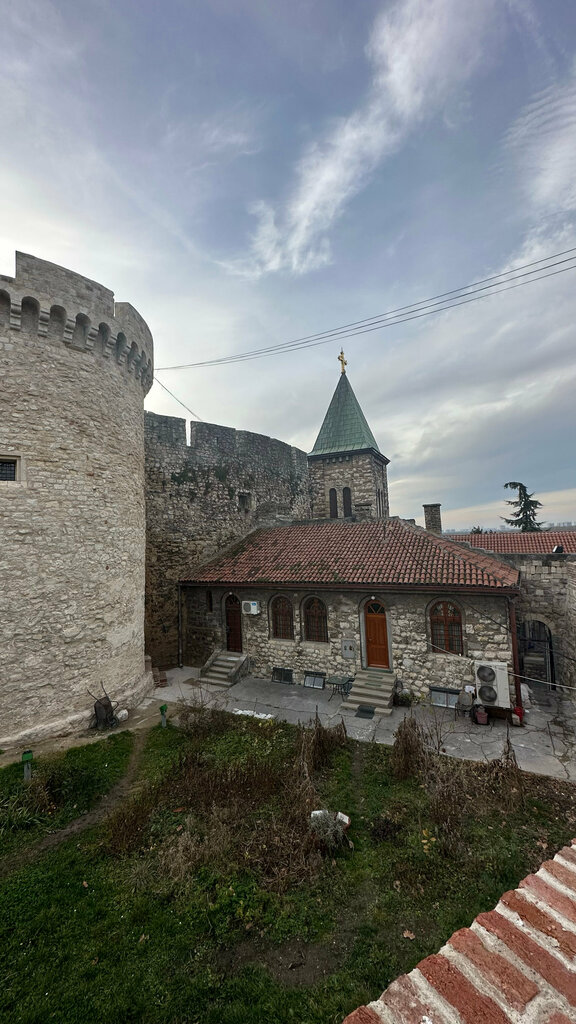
(343,362)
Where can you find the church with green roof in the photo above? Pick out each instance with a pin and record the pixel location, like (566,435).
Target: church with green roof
(346,468)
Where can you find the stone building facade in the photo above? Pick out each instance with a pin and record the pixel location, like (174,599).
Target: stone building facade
(382,594)
(203,496)
(74,369)
(413,660)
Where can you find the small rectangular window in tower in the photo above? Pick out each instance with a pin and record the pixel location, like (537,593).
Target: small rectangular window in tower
(244,501)
(8,469)
(209,601)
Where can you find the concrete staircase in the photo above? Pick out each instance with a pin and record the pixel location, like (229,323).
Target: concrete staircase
(373,686)
(223,668)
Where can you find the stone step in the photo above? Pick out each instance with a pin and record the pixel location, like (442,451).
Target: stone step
(383,693)
(223,682)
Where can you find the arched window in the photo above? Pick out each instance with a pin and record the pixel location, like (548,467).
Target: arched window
(446,627)
(347,501)
(315,623)
(333,503)
(282,617)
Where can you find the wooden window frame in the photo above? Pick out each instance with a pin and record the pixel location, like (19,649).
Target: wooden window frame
(315,627)
(446,633)
(281,624)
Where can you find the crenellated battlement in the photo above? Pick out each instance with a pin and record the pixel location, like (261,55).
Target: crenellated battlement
(60,305)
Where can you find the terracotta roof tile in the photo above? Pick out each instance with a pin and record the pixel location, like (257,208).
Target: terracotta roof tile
(386,553)
(505,542)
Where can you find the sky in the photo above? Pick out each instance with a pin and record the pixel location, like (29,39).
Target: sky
(247,172)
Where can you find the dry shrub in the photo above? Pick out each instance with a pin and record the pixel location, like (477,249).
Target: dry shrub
(504,778)
(200,719)
(409,754)
(317,743)
(446,783)
(126,826)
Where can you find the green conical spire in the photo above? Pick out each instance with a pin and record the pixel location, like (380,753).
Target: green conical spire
(344,428)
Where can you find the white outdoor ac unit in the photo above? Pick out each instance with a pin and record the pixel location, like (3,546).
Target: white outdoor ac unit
(491,679)
(250,607)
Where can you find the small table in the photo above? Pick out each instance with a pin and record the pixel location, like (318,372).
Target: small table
(341,685)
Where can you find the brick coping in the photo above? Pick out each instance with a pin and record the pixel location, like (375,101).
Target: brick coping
(516,964)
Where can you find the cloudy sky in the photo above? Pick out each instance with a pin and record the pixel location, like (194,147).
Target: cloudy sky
(246,172)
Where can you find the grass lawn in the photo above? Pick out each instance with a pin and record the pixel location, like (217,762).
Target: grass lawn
(63,787)
(206,900)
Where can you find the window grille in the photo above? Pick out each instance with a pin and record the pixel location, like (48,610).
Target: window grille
(282,619)
(7,469)
(315,622)
(446,627)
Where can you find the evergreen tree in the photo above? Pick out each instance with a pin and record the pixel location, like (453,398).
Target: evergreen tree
(476,529)
(524,516)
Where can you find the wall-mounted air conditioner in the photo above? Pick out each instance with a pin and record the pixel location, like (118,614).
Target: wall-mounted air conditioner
(250,607)
(491,678)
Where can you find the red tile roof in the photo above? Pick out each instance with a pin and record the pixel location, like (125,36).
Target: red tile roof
(503,542)
(331,553)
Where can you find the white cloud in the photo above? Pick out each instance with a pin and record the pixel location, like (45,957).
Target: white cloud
(543,143)
(421,52)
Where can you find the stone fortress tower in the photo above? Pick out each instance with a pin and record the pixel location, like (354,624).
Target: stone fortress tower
(74,369)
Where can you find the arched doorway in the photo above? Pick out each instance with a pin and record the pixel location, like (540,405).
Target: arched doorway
(233,623)
(377,655)
(536,653)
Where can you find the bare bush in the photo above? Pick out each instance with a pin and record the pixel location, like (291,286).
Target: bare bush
(504,777)
(409,751)
(447,784)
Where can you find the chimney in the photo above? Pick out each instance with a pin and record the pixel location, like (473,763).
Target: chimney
(432,518)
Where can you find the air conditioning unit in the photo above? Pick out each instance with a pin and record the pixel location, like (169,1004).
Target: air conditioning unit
(250,607)
(491,679)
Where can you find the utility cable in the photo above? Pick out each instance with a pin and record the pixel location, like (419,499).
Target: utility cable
(437,303)
(171,393)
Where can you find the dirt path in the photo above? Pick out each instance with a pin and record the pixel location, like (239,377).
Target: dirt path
(22,857)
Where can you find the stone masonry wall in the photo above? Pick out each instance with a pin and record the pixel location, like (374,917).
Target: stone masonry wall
(484,619)
(568,664)
(74,369)
(202,497)
(363,473)
(547,595)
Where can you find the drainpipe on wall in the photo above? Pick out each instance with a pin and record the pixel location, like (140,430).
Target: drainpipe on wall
(515,657)
(179,626)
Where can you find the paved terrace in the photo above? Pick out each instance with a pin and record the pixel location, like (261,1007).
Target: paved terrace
(546,745)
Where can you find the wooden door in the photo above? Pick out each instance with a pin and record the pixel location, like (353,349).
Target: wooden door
(376,635)
(233,624)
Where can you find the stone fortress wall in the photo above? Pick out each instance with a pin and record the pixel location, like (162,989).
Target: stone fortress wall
(200,498)
(413,662)
(74,369)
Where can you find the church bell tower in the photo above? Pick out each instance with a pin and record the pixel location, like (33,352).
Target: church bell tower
(347,469)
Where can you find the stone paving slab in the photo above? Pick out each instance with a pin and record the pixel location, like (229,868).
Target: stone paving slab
(546,744)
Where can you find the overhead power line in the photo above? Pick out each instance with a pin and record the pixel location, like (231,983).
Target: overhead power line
(506,281)
(171,393)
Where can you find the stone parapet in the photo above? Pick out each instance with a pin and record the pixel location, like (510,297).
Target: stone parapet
(64,307)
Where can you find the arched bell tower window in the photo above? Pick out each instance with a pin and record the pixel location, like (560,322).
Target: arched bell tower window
(315,621)
(446,627)
(333,503)
(347,501)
